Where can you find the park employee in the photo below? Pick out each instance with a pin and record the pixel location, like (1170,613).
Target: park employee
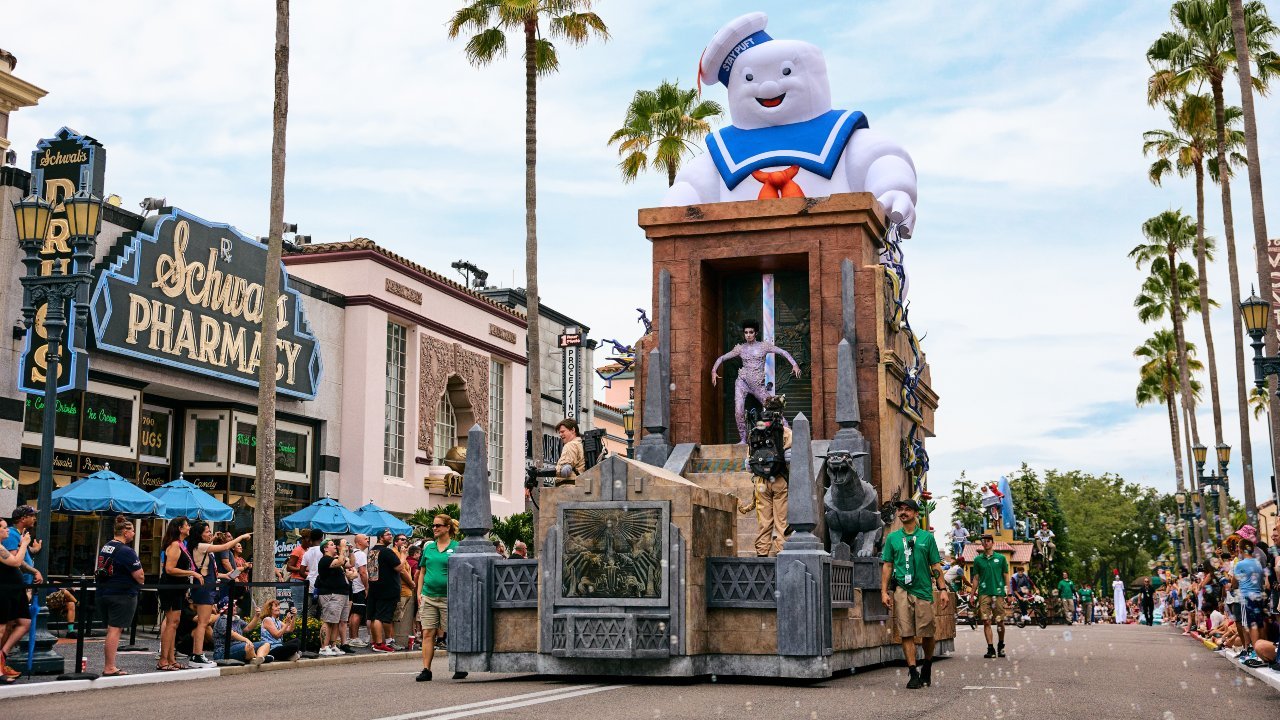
(911,561)
(992,571)
(573,456)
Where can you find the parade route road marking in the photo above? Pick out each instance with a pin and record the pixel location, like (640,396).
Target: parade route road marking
(505,703)
(989,687)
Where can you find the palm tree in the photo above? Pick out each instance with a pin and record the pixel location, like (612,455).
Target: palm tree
(264,517)
(1199,50)
(1159,382)
(1183,149)
(1169,234)
(1267,65)
(488,22)
(658,129)
(1154,301)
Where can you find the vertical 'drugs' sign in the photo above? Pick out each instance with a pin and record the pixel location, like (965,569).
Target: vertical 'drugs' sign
(187,293)
(61,166)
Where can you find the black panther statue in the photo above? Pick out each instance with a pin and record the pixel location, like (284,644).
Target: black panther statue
(852,509)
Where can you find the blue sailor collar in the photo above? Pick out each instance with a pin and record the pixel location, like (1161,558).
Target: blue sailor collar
(815,145)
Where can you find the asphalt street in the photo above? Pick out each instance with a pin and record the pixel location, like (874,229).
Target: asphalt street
(1101,671)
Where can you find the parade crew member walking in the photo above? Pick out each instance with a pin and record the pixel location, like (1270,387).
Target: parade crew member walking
(1067,594)
(912,563)
(1086,603)
(991,569)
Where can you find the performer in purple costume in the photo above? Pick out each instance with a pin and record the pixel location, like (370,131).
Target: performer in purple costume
(752,353)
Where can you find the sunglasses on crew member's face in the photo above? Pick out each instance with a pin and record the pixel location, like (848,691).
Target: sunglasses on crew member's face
(436,525)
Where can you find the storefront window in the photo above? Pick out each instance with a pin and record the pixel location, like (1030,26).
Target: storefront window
(153,433)
(205,442)
(291,451)
(68,415)
(293,442)
(107,419)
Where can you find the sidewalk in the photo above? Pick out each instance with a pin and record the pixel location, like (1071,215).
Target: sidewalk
(1264,674)
(141,668)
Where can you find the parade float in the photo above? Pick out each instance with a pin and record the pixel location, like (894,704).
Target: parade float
(791,226)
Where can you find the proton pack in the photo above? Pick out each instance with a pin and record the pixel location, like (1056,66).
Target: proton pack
(768,455)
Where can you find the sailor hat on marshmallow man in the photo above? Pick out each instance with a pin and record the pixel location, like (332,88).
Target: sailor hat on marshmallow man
(770,82)
(785,140)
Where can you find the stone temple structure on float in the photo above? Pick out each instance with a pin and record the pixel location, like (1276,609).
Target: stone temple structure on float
(793,218)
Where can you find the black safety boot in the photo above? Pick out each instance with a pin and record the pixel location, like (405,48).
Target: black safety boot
(915,683)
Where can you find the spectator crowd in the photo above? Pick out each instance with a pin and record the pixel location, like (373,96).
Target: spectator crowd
(386,593)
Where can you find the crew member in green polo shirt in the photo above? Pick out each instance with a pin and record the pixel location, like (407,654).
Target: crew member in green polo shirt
(1067,594)
(1086,603)
(911,559)
(992,572)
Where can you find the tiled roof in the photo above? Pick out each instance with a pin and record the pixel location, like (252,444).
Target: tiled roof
(1021,552)
(367,244)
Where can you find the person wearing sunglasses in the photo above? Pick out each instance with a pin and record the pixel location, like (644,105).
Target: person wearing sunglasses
(913,566)
(433,589)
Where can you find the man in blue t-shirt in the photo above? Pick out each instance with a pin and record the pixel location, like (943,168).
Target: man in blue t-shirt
(118,578)
(1247,578)
(24,520)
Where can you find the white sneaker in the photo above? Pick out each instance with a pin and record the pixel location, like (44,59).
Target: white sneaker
(358,643)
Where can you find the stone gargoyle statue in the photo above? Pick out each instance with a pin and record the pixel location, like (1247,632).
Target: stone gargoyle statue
(852,507)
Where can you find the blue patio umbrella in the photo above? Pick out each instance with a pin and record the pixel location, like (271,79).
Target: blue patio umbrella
(326,515)
(183,498)
(379,519)
(105,492)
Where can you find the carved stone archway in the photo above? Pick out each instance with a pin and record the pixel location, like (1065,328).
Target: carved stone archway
(440,360)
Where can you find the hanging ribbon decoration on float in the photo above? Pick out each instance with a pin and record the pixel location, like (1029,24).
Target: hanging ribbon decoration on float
(915,459)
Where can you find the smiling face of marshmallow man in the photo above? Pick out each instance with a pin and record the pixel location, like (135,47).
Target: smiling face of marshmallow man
(778,83)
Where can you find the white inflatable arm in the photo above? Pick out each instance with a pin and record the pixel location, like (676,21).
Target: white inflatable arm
(883,168)
(698,182)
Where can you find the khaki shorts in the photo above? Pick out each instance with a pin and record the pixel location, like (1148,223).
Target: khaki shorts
(991,608)
(433,612)
(333,608)
(912,616)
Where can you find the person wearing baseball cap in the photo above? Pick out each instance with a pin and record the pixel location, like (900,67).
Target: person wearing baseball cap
(22,521)
(912,563)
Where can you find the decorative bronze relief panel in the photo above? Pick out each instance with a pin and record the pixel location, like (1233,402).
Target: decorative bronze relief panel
(613,551)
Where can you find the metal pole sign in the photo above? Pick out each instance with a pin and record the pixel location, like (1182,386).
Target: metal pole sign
(571,364)
(1273,256)
(61,166)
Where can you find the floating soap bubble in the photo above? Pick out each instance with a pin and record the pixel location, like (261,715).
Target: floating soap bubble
(1066,635)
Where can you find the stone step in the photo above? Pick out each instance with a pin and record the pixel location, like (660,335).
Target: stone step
(719,452)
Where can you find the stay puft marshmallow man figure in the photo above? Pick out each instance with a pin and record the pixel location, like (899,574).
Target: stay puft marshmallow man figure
(785,140)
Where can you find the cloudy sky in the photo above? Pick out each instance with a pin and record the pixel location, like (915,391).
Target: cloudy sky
(1024,119)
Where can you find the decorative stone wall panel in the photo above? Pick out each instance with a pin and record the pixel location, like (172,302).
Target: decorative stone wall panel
(440,361)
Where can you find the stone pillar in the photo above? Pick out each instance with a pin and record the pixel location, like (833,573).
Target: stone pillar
(471,567)
(803,566)
(849,437)
(653,448)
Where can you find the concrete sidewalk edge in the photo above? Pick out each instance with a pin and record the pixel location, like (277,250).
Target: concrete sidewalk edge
(1264,674)
(54,687)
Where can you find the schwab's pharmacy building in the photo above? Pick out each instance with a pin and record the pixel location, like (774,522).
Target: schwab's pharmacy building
(161,378)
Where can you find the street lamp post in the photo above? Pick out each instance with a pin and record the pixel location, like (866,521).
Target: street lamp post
(1188,522)
(84,220)
(1214,485)
(629,427)
(1256,314)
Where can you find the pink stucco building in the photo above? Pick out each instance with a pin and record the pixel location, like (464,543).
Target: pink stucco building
(423,359)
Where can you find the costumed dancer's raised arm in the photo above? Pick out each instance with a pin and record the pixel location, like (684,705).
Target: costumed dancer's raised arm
(735,352)
(795,367)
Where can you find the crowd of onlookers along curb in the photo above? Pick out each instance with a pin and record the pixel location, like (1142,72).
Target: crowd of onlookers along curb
(387,587)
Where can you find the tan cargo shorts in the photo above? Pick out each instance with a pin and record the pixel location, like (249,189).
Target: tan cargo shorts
(991,608)
(912,616)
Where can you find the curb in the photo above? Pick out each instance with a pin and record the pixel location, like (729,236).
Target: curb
(55,687)
(1263,674)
